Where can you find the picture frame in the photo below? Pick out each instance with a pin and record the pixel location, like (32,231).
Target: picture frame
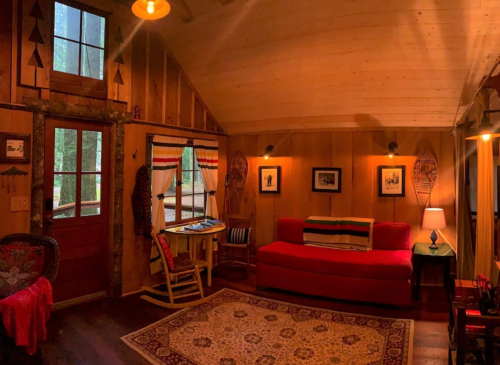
(391,181)
(269,179)
(327,179)
(15,148)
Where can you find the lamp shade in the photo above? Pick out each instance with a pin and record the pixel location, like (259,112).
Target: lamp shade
(150,9)
(434,219)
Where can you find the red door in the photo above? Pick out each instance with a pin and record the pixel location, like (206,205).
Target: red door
(76,211)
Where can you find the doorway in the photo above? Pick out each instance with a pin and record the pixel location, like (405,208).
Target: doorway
(76,204)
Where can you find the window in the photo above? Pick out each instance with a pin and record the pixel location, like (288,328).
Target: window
(79,41)
(187,188)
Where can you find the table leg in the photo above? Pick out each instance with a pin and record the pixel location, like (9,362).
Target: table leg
(208,257)
(418,271)
(447,268)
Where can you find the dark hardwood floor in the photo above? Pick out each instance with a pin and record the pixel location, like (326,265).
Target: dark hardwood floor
(89,334)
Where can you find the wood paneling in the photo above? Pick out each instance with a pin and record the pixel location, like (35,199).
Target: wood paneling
(186,104)
(155,90)
(172,91)
(139,70)
(405,63)
(5,51)
(15,222)
(358,154)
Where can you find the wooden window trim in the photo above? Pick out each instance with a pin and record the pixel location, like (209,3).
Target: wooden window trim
(77,84)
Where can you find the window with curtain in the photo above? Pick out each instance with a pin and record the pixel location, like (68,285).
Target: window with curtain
(185,200)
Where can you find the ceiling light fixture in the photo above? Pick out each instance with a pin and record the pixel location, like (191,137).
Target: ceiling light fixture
(485,130)
(393,150)
(268,152)
(151,9)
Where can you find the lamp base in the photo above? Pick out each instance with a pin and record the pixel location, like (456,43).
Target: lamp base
(434,237)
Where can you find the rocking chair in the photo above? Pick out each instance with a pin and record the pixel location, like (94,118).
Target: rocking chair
(182,268)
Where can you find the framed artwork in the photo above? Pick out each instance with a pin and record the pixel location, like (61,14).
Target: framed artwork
(15,148)
(391,181)
(269,179)
(327,179)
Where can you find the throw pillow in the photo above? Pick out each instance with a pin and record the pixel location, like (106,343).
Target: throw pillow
(238,235)
(166,251)
(20,267)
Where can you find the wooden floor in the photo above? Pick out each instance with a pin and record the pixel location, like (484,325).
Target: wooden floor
(90,333)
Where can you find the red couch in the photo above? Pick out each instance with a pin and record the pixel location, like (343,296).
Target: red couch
(381,275)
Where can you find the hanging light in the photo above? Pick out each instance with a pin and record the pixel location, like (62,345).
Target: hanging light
(485,130)
(268,152)
(393,150)
(151,9)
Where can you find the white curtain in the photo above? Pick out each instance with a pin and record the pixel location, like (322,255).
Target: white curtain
(207,156)
(485,209)
(167,152)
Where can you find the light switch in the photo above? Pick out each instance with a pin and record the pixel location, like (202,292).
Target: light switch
(19,203)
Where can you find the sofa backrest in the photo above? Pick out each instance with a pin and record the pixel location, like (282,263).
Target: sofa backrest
(386,235)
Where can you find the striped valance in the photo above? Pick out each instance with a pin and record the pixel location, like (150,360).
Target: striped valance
(167,152)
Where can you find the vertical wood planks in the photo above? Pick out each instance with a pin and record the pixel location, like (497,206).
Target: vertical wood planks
(363,185)
(198,114)
(447,185)
(139,71)
(155,90)
(172,90)
(185,104)
(383,207)
(342,158)
(321,156)
(5,51)
(301,173)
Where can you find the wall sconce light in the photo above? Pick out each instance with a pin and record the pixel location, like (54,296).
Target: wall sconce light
(151,9)
(393,150)
(268,152)
(485,130)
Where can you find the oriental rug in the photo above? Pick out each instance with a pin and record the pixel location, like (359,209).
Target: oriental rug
(234,328)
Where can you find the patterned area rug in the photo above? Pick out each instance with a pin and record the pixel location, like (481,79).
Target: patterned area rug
(233,328)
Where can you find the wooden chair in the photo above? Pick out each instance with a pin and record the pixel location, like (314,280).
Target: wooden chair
(237,254)
(9,352)
(183,268)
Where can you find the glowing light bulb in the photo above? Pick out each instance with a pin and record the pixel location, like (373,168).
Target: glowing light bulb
(391,155)
(485,137)
(266,157)
(151,7)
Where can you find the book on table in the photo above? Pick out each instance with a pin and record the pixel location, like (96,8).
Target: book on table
(197,228)
(213,223)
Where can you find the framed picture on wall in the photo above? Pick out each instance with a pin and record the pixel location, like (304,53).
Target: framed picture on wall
(391,181)
(269,179)
(15,148)
(327,179)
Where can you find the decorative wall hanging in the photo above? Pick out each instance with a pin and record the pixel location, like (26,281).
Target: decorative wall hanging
(15,148)
(11,176)
(327,179)
(118,79)
(36,37)
(391,181)
(425,173)
(239,173)
(269,179)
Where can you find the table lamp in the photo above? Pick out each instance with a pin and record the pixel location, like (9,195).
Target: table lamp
(434,219)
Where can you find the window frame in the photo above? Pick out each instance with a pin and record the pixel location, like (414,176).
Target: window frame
(78,84)
(178,196)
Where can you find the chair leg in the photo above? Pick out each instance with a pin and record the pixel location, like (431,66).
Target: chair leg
(169,288)
(248,261)
(198,279)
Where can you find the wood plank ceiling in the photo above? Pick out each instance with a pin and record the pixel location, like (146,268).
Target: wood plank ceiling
(275,65)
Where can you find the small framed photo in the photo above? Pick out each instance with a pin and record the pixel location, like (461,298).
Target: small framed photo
(327,179)
(15,148)
(269,179)
(391,181)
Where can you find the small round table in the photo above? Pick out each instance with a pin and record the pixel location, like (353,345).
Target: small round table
(207,237)
(444,254)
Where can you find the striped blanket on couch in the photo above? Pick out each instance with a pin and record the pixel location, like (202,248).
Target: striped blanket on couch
(339,233)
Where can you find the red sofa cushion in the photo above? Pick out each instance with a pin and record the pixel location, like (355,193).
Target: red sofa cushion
(386,235)
(374,264)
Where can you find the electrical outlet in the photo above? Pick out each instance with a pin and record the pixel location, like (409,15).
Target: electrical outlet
(19,203)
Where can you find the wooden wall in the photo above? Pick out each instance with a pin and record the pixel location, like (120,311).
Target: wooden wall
(12,121)
(136,249)
(358,154)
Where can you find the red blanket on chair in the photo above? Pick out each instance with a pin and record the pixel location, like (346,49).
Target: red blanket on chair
(26,312)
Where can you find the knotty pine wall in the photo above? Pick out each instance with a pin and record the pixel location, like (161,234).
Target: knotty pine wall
(137,249)
(13,121)
(358,154)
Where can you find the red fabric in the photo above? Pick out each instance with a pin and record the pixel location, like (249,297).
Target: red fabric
(374,264)
(20,267)
(391,236)
(394,292)
(26,312)
(166,252)
(291,230)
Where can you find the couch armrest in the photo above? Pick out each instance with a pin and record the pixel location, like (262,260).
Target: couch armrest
(391,236)
(291,230)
